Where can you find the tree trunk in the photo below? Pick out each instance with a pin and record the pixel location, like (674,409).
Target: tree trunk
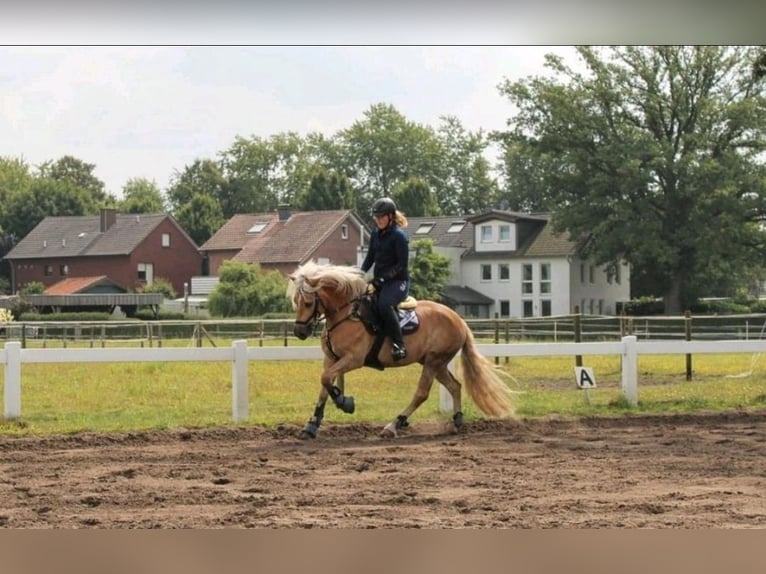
(673,297)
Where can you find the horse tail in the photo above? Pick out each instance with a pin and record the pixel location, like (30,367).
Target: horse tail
(484,386)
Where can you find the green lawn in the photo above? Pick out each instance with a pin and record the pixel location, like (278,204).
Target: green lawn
(122,397)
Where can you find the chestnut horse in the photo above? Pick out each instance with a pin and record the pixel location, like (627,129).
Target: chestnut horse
(337,294)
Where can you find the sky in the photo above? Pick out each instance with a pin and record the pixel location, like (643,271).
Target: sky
(143,89)
(149,111)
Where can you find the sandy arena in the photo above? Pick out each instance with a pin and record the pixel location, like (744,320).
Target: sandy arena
(700,471)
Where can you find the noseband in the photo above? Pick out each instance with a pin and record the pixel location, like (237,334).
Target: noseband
(317,314)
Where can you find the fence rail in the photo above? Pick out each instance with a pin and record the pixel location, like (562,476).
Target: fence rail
(13,356)
(561,328)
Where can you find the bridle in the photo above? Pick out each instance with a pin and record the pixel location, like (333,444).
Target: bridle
(317,313)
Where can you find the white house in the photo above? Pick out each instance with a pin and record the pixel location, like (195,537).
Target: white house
(513,264)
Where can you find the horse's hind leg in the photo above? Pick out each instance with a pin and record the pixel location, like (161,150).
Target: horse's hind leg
(446,378)
(421,394)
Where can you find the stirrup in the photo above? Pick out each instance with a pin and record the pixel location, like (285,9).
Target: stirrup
(398,352)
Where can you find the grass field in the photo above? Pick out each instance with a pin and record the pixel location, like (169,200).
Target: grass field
(124,397)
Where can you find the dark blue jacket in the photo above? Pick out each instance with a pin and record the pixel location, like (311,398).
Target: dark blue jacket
(389,251)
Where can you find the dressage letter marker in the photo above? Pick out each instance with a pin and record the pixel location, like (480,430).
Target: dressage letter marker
(585,378)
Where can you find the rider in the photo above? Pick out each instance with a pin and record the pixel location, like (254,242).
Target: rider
(389,251)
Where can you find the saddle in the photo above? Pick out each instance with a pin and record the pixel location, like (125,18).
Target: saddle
(367,313)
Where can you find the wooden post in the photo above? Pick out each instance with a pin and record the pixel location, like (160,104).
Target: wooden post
(688,334)
(577,334)
(497,336)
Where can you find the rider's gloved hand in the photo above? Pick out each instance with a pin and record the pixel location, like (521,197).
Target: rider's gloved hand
(377,282)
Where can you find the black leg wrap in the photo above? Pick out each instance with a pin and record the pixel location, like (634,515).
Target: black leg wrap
(457,418)
(344,403)
(401,422)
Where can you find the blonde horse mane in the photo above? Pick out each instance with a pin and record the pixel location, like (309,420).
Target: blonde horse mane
(311,277)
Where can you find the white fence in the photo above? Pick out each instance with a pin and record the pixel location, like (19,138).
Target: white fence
(239,354)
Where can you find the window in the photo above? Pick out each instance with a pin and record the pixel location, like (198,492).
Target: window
(486,233)
(591,274)
(472,310)
(545,277)
(486,272)
(505,308)
(424,228)
(166,239)
(582,272)
(257,228)
(528,309)
(618,274)
(64,270)
(48,270)
(504,271)
(546,307)
(146,273)
(505,233)
(526,279)
(344,231)
(600,306)
(456,227)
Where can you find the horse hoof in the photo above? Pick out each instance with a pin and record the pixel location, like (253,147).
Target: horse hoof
(309,431)
(389,431)
(347,405)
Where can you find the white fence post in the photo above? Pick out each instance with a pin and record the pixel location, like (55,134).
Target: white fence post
(630,370)
(12,391)
(239,390)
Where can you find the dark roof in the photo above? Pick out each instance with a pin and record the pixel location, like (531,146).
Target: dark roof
(291,240)
(439,232)
(456,294)
(80,235)
(505,216)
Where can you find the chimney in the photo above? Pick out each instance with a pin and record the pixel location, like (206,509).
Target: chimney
(284,212)
(108,217)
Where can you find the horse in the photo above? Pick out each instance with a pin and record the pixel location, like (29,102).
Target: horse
(340,296)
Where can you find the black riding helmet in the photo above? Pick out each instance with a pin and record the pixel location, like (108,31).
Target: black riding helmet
(384,206)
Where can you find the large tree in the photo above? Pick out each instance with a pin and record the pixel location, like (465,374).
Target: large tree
(653,155)
(140,195)
(385,149)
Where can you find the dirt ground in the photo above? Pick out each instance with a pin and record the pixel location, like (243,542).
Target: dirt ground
(700,471)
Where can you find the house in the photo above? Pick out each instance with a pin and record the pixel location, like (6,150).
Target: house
(130,250)
(513,265)
(282,240)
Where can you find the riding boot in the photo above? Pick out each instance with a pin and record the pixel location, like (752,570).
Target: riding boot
(394,330)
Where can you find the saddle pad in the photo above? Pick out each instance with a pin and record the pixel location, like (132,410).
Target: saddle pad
(409,321)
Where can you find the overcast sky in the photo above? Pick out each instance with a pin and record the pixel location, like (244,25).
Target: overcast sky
(142,89)
(150,111)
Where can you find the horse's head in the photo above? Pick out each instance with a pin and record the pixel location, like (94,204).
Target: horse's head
(307,304)
(317,291)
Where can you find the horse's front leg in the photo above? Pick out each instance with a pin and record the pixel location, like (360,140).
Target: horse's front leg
(332,369)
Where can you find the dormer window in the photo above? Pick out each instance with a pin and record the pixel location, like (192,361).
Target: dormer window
(257,228)
(486,233)
(424,228)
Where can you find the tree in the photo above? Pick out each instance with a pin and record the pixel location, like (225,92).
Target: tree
(385,149)
(80,175)
(139,195)
(415,198)
(429,271)
(326,191)
(466,183)
(202,177)
(200,217)
(652,155)
(46,197)
(245,290)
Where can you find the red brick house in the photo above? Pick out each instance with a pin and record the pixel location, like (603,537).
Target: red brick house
(130,250)
(283,240)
